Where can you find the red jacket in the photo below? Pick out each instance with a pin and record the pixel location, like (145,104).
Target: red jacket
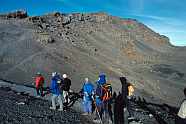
(39,81)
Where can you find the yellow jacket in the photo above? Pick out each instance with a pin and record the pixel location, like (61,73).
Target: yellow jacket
(131,90)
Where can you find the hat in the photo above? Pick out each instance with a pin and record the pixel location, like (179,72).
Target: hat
(38,73)
(64,75)
(86,79)
(54,74)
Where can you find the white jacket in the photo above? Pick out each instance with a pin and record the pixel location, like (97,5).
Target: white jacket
(182,111)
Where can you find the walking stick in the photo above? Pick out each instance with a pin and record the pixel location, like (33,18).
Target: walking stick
(97,111)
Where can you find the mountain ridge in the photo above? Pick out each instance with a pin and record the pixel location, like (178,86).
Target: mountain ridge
(84,45)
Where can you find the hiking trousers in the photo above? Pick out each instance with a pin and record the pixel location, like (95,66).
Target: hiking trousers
(39,91)
(87,105)
(59,99)
(66,97)
(179,120)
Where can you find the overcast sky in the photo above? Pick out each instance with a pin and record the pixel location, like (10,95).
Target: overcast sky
(166,17)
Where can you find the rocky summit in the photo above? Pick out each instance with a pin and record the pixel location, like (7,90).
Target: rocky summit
(85,44)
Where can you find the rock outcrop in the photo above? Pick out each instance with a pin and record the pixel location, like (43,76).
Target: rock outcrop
(20,14)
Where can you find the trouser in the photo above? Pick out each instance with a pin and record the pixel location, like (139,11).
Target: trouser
(107,111)
(39,91)
(66,97)
(179,120)
(60,101)
(87,105)
(126,114)
(129,106)
(99,111)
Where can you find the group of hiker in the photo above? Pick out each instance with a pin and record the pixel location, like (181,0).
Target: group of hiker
(97,97)
(59,88)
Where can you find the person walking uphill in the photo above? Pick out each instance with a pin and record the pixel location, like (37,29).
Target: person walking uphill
(181,119)
(104,91)
(88,92)
(39,81)
(66,87)
(56,93)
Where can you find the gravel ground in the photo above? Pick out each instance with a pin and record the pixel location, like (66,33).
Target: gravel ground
(19,108)
(150,113)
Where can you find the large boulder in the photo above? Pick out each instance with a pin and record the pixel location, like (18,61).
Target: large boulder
(18,14)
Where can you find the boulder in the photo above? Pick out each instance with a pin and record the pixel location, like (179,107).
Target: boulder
(18,14)
(66,20)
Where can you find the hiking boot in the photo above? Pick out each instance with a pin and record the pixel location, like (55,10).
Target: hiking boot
(90,114)
(97,121)
(85,113)
(61,109)
(110,121)
(52,108)
(38,96)
(131,118)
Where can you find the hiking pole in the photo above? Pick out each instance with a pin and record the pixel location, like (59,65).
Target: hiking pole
(98,112)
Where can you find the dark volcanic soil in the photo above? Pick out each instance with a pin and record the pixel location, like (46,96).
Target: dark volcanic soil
(16,108)
(19,107)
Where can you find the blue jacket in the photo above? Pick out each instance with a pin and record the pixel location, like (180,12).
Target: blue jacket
(102,79)
(54,87)
(88,89)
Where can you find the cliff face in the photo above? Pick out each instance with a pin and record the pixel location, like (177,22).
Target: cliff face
(82,45)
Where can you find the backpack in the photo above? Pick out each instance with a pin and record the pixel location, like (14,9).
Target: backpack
(107,92)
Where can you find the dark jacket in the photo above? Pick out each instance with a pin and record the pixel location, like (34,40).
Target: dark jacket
(66,84)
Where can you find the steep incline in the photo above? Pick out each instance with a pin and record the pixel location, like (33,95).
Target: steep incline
(83,45)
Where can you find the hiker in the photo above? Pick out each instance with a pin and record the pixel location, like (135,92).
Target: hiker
(39,81)
(55,90)
(104,91)
(181,116)
(107,100)
(124,95)
(100,82)
(66,87)
(88,91)
(119,106)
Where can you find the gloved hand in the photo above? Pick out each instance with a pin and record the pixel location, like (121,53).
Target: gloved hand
(92,97)
(85,94)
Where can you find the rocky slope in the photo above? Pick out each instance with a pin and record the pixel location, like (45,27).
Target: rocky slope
(83,45)
(18,105)
(19,108)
